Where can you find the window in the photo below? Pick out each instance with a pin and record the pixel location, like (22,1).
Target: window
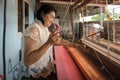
(23,15)
(20,15)
(26,15)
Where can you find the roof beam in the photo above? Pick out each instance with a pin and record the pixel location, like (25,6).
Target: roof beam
(55,1)
(94,4)
(76,3)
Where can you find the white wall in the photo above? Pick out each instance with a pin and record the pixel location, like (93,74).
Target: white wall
(1,35)
(32,8)
(13,41)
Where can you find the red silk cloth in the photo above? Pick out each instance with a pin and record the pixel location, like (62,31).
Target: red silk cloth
(65,66)
(1,77)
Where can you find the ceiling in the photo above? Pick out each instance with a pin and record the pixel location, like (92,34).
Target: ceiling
(62,6)
(94,2)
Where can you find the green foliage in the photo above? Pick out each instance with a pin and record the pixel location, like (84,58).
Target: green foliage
(118,17)
(96,17)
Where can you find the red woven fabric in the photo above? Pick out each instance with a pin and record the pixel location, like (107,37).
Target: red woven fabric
(2,77)
(66,68)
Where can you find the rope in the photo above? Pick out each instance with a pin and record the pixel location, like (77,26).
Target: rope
(83,22)
(87,11)
(101,19)
(108,41)
(66,12)
(82,15)
(107,13)
(114,40)
(65,15)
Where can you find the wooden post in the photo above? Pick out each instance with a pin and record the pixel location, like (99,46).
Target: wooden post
(72,24)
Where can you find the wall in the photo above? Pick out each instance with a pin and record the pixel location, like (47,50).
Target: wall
(1,35)
(13,40)
(32,8)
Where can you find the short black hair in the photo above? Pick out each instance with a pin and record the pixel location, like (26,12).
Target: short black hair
(46,8)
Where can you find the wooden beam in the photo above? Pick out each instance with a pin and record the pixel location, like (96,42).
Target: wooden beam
(84,3)
(88,69)
(72,24)
(55,1)
(96,4)
(76,3)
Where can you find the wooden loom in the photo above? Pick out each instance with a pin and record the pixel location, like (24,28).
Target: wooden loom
(68,70)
